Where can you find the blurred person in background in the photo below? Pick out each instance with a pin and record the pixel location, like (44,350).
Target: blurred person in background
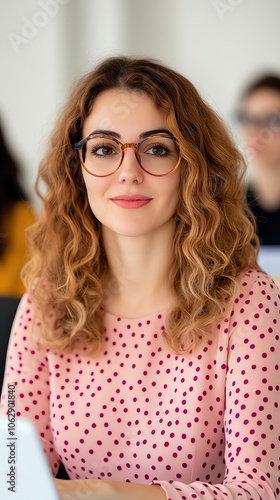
(259,117)
(15,215)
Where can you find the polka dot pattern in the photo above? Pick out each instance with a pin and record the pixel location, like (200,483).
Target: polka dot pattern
(204,425)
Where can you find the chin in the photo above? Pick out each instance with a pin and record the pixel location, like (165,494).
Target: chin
(132,232)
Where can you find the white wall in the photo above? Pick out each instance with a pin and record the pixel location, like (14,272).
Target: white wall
(46,44)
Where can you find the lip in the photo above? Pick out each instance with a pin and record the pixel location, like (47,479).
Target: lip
(131,201)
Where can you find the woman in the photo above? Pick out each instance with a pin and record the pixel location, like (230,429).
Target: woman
(15,216)
(148,333)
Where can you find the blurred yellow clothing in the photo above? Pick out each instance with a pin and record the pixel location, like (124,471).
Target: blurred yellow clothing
(15,256)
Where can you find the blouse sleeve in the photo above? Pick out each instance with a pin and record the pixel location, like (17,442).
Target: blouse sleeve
(251,419)
(27,369)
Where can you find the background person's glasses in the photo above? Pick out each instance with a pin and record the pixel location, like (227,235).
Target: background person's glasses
(271,121)
(102,155)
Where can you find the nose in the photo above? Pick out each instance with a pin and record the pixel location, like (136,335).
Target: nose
(130,171)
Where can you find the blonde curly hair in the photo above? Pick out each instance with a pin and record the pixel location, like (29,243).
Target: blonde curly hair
(214,238)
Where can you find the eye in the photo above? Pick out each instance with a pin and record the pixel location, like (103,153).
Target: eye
(102,150)
(158,150)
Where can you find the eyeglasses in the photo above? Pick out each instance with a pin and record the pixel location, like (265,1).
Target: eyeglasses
(102,155)
(271,121)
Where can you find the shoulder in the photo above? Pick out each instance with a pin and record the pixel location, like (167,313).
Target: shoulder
(28,318)
(25,312)
(256,302)
(255,288)
(27,328)
(254,281)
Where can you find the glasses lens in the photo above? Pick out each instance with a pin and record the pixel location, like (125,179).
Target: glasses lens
(158,155)
(102,155)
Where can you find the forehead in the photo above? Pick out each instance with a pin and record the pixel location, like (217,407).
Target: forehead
(123,111)
(263,100)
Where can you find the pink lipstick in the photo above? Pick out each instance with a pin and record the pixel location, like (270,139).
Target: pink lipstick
(131,201)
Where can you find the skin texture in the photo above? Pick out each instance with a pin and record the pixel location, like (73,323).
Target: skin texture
(96,489)
(130,178)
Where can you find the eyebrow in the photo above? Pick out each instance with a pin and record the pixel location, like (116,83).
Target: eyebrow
(141,136)
(105,132)
(155,132)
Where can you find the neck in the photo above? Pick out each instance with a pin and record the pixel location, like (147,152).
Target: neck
(137,283)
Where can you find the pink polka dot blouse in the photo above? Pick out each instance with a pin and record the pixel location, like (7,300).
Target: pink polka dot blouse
(202,426)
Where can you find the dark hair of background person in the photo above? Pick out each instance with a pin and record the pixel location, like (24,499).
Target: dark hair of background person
(268,81)
(11,190)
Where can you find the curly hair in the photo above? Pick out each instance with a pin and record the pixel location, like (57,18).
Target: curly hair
(214,239)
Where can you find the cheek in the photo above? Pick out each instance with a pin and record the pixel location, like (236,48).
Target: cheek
(96,189)
(277,141)
(171,190)
(272,143)
(174,184)
(95,186)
